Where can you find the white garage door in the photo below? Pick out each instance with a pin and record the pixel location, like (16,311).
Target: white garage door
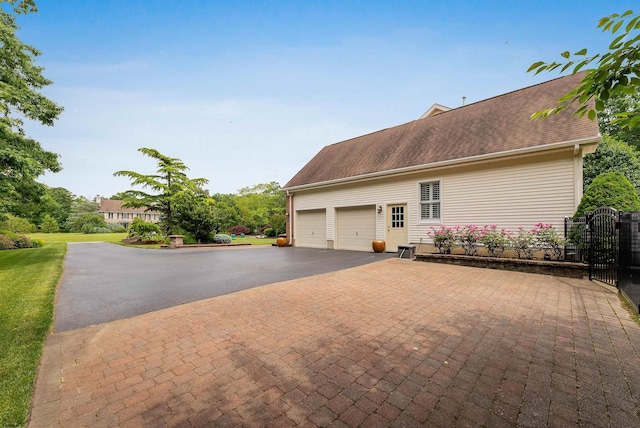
(356,228)
(312,229)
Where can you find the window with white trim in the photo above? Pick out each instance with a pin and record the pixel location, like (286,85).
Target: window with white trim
(430,201)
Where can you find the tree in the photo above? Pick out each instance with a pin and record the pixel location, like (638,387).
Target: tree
(258,204)
(87,222)
(49,225)
(169,182)
(616,72)
(617,104)
(22,159)
(195,215)
(610,189)
(612,156)
(119,196)
(226,212)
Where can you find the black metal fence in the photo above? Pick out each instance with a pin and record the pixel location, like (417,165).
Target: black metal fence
(609,241)
(629,257)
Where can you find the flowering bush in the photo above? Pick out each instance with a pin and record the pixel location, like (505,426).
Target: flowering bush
(495,240)
(468,238)
(523,244)
(443,239)
(547,238)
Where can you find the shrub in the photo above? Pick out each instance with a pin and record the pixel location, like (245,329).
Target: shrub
(494,240)
(443,239)
(239,230)
(468,237)
(17,224)
(101,230)
(116,228)
(37,243)
(145,231)
(49,225)
(270,232)
(6,243)
(547,238)
(222,238)
(523,244)
(11,240)
(611,189)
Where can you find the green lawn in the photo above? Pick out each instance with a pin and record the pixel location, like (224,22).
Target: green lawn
(28,280)
(78,237)
(117,237)
(253,240)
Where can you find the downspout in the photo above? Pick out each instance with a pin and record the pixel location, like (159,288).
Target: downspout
(289,215)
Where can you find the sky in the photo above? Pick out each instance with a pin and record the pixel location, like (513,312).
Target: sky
(248,92)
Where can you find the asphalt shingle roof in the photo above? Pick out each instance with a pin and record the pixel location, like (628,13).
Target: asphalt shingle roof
(499,124)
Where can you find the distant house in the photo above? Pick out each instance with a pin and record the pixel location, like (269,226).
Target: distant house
(482,163)
(113,212)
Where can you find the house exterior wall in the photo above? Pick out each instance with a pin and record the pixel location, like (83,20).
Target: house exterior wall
(510,192)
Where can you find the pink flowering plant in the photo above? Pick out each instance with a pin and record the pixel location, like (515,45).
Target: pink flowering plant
(547,239)
(523,244)
(495,240)
(469,238)
(443,239)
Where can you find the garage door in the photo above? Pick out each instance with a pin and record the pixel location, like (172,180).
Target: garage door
(312,229)
(356,228)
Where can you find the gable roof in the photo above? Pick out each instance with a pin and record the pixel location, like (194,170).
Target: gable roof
(114,205)
(496,125)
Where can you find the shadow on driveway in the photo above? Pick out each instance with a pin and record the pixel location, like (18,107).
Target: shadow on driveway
(105,282)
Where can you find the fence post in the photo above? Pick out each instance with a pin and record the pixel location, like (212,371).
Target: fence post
(587,222)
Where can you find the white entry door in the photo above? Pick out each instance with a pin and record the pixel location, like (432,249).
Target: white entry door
(397,230)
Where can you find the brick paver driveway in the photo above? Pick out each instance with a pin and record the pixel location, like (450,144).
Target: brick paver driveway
(393,343)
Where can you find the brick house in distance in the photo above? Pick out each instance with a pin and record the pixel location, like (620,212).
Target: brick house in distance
(113,212)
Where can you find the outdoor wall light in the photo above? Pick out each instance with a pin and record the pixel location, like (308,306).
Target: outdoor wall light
(379,209)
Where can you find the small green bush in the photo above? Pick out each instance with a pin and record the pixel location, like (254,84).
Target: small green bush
(101,230)
(17,224)
(189,239)
(145,231)
(116,228)
(222,238)
(611,189)
(270,232)
(49,225)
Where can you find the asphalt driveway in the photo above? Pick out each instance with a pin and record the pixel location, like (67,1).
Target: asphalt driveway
(105,282)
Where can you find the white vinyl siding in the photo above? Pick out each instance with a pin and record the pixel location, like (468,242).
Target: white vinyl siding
(509,193)
(356,228)
(430,201)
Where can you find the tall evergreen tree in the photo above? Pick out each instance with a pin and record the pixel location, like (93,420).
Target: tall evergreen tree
(168,184)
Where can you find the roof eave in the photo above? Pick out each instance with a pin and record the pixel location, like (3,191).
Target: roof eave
(453,162)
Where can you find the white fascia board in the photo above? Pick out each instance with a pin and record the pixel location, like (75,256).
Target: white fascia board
(452,162)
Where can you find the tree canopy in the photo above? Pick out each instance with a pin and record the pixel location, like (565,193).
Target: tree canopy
(22,159)
(164,188)
(614,73)
(612,156)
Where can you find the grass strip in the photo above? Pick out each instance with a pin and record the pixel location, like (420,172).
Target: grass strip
(28,280)
(79,237)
